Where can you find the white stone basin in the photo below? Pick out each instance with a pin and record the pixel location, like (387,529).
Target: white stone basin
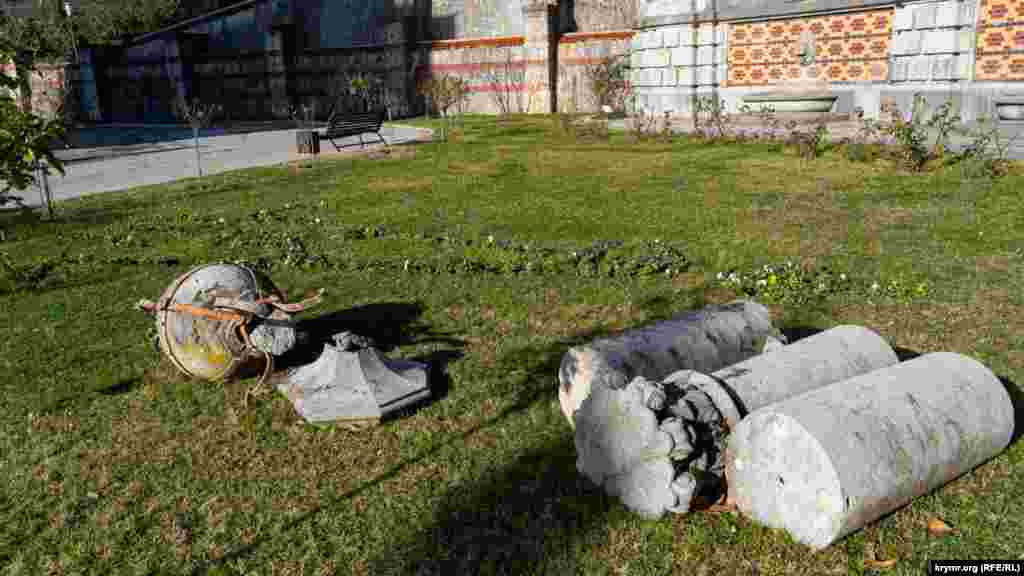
(782,102)
(1010,111)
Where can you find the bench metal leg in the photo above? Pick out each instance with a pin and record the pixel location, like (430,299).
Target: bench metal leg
(379,135)
(362,143)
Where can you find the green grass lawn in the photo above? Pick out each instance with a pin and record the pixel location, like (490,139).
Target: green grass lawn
(462,254)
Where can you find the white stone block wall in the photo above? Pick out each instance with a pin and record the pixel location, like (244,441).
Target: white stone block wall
(932,52)
(670,63)
(933,42)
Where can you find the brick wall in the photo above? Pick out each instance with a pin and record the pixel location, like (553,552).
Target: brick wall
(849,48)
(48,84)
(578,51)
(494,68)
(1000,41)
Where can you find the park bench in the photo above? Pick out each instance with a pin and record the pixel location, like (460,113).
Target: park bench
(355,124)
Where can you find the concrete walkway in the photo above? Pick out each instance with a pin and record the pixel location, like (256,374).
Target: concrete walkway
(94,170)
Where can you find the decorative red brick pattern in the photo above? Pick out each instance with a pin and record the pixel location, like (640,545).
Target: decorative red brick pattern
(491,42)
(1000,12)
(1000,45)
(850,47)
(478,67)
(574,37)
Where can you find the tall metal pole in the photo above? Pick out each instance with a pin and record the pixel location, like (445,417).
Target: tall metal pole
(715,80)
(68,10)
(195,141)
(695,75)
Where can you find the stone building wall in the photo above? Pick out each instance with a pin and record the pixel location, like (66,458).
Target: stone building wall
(871,52)
(47,95)
(966,52)
(672,63)
(850,48)
(1000,41)
(464,19)
(516,72)
(577,52)
(933,42)
(49,90)
(494,69)
(604,15)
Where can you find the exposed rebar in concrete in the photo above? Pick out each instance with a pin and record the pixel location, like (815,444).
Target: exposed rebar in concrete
(627,439)
(824,464)
(704,340)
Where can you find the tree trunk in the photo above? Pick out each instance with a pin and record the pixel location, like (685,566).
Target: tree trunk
(307,142)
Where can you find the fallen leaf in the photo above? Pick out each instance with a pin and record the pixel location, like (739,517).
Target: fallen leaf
(937,527)
(880,564)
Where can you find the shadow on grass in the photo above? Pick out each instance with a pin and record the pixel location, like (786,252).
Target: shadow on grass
(329,504)
(524,517)
(506,523)
(1017,398)
(388,324)
(527,515)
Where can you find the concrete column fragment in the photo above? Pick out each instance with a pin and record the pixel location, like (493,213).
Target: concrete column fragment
(656,445)
(353,382)
(824,464)
(816,361)
(704,340)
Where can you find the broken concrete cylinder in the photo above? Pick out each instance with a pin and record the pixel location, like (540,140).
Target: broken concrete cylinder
(626,439)
(622,447)
(353,382)
(826,463)
(703,340)
(827,357)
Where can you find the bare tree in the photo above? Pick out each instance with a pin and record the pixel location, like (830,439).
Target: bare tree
(506,86)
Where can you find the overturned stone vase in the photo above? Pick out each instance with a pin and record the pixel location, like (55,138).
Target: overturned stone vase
(656,445)
(824,464)
(352,382)
(704,340)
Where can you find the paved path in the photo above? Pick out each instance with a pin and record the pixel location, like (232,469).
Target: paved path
(93,170)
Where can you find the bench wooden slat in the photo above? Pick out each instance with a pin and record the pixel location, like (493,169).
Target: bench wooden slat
(354,125)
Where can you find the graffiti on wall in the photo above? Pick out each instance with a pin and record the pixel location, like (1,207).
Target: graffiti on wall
(1000,51)
(847,48)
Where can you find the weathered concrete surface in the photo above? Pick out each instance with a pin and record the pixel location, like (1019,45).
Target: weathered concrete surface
(626,451)
(663,12)
(352,381)
(826,463)
(816,361)
(704,340)
(89,171)
(626,438)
